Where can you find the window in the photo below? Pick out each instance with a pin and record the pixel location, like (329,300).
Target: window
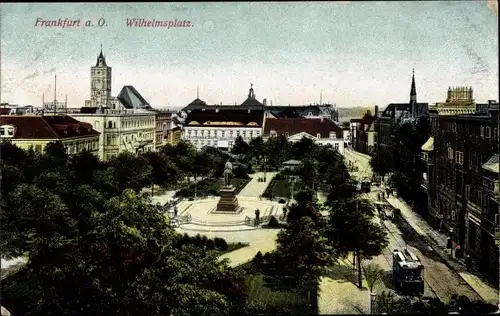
(336,146)
(96,124)
(467,192)
(488,132)
(453,127)
(452,215)
(287,135)
(332,134)
(450,153)
(108,140)
(480,198)
(459,157)
(273,133)
(481,131)
(114,124)
(110,124)
(318,135)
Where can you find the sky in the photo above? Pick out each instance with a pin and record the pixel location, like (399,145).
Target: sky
(351,53)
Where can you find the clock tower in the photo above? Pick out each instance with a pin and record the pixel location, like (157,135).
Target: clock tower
(100,83)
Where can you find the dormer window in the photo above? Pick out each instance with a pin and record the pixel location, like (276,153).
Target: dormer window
(7,131)
(273,133)
(332,134)
(287,135)
(318,136)
(309,114)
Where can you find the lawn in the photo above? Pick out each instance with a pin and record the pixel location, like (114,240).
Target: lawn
(278,188)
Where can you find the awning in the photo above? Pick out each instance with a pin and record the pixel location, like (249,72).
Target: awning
(493,164)
(429,145)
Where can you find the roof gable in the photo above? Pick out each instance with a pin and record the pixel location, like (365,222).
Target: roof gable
(132,99)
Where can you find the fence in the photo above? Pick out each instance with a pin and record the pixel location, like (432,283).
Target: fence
(251,221)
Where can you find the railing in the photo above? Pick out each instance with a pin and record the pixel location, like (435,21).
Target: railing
(185,219)
(251,221)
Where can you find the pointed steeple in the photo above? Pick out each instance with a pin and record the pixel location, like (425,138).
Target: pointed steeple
(413,90)
(101,60)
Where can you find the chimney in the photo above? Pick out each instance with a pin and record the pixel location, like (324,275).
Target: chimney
(264,102)
(321,119)
(376,110)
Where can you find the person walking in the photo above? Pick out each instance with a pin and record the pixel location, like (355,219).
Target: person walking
(257,216)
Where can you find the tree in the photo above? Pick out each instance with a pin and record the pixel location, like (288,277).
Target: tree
(163,171)
(381,163)
(351,228)
(302,253)
(132,171)
(240,147)
(373,274)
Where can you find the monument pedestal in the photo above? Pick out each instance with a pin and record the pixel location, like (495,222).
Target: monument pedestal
(228,202)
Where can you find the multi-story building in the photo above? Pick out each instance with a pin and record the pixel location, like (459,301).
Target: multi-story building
(220,128)
(461,176)
(164,124)
(396,114)
(321,130)
(121,130)
(36,131)
(365,135)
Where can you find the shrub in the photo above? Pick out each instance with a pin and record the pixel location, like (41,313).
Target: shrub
(221,244)
(279,176)
(210,244)
(273,222)
(204,241)
(197,241)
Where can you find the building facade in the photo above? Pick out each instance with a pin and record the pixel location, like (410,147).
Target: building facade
(36,131)
(321,130)
(164,124)
(220,128)
(121,130)
(461,177)
(365,135)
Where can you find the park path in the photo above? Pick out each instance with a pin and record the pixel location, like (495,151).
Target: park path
(254,188)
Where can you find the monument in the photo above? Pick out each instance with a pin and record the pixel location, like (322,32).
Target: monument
(228,202)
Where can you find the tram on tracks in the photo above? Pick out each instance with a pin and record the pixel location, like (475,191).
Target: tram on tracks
(407,272)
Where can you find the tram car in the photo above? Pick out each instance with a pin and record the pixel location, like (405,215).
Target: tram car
(407,272)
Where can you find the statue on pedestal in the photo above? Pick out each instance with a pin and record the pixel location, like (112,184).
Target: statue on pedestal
(228,173)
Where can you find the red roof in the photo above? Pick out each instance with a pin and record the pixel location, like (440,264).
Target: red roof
(311,126)
(47,127)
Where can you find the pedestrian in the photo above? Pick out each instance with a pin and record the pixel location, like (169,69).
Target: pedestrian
(175,212)
(257,215)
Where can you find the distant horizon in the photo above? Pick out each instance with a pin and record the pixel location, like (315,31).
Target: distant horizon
(352,53)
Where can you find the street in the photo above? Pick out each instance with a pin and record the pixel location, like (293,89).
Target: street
(440,281)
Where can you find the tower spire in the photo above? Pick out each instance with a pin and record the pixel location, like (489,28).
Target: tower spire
(198,92)
(413,95)
(413,90)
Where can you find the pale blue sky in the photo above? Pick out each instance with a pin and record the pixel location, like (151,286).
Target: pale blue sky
(358,53)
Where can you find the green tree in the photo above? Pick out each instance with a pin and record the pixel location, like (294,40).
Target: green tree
(351,228)
(301,256)
(373,274)
(240,147)
(132,171)
(381,163)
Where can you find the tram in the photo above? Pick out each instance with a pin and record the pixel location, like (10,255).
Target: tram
(407,272)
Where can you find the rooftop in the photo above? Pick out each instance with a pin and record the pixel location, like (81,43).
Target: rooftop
(219,117)
(132,99)
(47,127)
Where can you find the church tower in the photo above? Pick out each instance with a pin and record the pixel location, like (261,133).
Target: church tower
(100,83)
(413,95)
